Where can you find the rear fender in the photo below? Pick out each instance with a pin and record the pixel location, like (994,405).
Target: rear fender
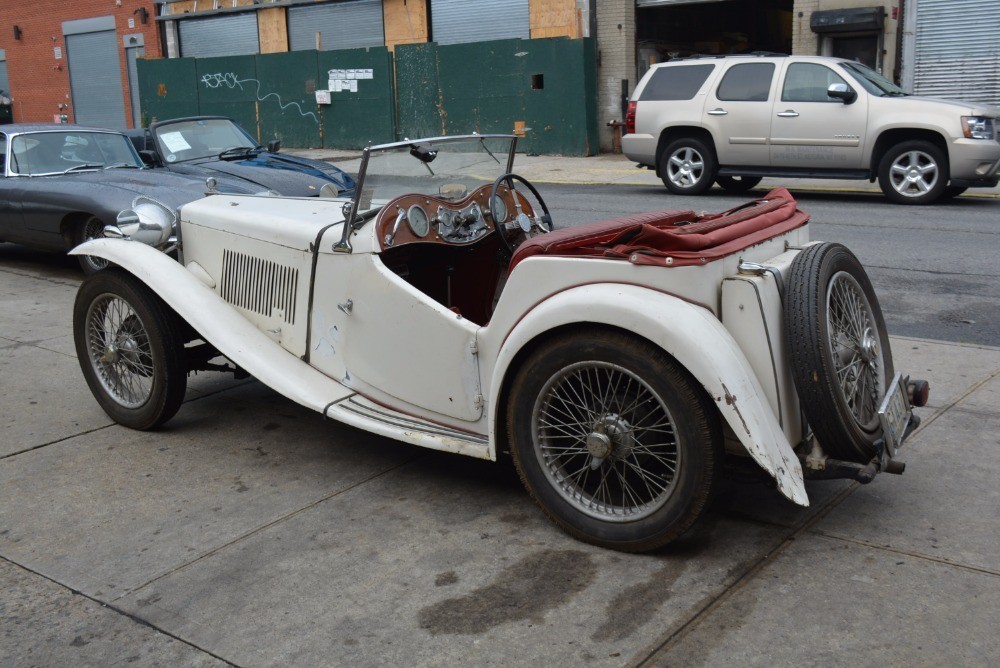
(219,323)
(692,336)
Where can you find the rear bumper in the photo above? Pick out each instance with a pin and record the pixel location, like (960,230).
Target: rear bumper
(640,148)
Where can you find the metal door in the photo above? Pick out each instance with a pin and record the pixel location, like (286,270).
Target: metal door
(134,49)
(346,25)
(461,21)
(232,35)
(95,79)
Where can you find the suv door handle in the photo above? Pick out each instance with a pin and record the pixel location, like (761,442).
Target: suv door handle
(717,112)
(786,114)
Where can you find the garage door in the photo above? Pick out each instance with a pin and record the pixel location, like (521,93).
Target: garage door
(343,25)
(460,21)
(95,73)
(233,35)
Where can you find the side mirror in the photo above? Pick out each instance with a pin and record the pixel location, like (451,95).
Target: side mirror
(148,158)
(842,92)
(274,146)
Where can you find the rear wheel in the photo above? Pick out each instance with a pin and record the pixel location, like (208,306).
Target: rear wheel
(616,442)
(737,184)
(841,360)
(913,172)
(687,166)
(130,349)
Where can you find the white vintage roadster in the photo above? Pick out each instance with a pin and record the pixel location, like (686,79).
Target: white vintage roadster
(622,363)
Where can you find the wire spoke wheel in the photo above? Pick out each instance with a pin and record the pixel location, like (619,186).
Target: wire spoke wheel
(130,349)
(617,443)
(119,350)
(606,441)
(92,228)
(855,348)
(840,355)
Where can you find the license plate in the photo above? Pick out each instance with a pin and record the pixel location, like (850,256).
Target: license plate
(894,415)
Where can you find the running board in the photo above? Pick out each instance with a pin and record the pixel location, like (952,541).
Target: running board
(363,413)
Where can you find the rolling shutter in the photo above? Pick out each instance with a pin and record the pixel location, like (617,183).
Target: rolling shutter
(343,25)
(95,78)
(955,53)
(232,35)
(461,21)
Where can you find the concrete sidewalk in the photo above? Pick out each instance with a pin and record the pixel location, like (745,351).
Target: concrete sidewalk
(616,169)
(250,532)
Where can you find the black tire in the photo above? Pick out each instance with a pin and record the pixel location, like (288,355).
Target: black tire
(913,172)
(89,228)
(951,192)
(835,327)
(130,349)
(655,438)
(737,184)
(687,166)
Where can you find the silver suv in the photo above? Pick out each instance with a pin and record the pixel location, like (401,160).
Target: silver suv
(736,119)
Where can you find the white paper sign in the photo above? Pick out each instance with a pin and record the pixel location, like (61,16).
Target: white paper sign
(174,142)
(322,97)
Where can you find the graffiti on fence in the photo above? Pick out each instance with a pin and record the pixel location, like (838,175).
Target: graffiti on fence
(230,80)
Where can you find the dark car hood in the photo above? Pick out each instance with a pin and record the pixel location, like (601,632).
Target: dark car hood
(171,189)
(285,174)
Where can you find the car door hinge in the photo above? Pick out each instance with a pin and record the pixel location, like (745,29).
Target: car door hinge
(477,401)
(474,347)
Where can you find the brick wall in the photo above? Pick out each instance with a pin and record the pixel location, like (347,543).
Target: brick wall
(39,82)
(616,49)
(804,41)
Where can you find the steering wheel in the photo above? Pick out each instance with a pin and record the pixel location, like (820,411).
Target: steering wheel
(522,225)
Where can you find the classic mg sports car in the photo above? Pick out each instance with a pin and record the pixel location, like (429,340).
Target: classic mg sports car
(621,363)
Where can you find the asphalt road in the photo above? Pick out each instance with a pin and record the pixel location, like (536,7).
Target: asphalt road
(934,267)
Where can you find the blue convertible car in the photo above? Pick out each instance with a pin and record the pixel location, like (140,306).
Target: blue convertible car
(216,146)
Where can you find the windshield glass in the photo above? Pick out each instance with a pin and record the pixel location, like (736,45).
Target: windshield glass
(872,81)
(61,152)
(203,138)
(446,167)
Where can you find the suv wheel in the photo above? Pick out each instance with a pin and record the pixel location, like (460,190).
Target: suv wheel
(913,172)
(687,167)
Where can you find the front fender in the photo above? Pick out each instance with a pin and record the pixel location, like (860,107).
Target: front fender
(692,336)
(219,323)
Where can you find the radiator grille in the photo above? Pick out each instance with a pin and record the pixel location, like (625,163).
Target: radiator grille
(259,285)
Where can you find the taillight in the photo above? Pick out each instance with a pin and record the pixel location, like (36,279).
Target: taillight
(630,118)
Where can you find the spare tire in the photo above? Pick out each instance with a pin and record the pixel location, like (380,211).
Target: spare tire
(840,356)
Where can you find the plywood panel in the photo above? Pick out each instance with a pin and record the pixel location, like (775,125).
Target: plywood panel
(273,30)
(554,18)
(405,22)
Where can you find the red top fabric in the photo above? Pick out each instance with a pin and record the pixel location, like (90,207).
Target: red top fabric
(673,238)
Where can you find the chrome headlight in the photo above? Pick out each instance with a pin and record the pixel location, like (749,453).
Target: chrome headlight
(977,127)
(148,221)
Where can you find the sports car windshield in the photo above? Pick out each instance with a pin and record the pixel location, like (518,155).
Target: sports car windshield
(448,167)
(65,152)
(201,138)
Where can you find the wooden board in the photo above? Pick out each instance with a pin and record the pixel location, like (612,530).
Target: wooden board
(405,22)
(272,29)
(555,18)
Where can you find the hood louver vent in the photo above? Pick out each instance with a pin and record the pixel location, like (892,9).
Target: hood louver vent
(259,285)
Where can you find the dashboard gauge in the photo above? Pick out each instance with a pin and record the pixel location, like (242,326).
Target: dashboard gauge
(499,209)
(418,221)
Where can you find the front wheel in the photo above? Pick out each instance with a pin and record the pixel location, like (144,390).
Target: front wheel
(687,167)
(913,172)
(840,355)
(614,440)
(130,349)
(90,228)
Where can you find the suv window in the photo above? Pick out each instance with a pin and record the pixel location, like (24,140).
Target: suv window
(747,82)
(680,82)
(807,82)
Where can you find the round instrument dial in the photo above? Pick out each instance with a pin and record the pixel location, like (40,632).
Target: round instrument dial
(418,221)
(499,211)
